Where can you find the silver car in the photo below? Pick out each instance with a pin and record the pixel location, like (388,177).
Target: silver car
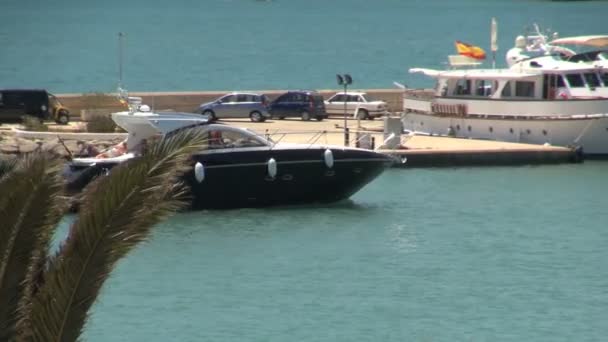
(237,105)
(359,105)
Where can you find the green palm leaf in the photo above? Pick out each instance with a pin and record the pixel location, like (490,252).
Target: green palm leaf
(6,165)
(28,216)
(117,213)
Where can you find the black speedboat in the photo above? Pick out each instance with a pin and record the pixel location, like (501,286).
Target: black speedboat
(239,168)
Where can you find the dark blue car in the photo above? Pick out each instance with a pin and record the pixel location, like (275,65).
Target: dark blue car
(305,104)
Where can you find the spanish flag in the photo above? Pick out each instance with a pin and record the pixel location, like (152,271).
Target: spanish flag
(470,50)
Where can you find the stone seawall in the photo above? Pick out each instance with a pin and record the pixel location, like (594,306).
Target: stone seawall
(189,101)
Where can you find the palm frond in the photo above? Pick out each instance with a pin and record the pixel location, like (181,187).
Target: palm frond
(117,213)
(6,165)
(28,217)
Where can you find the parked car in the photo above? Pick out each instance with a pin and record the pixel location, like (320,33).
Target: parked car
(306,104)
(359,105)
(16,103)
(237,105)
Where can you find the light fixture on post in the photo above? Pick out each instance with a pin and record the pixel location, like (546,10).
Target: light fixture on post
(345,80)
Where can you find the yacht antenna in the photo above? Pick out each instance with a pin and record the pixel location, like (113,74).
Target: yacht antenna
(120,51)
(494,41)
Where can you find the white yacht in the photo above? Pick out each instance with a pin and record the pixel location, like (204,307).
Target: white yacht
(541,98)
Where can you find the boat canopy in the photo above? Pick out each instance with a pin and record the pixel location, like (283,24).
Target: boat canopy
(551,64)
(496,74)
(595,40)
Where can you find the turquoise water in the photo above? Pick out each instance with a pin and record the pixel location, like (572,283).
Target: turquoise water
(460,254)
(72,46)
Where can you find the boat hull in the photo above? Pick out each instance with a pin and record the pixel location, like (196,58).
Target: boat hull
(589,132)
(239,179)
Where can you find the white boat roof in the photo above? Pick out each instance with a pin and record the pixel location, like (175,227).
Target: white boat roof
(595,40)
(477,73)
(553,65)
(154,123)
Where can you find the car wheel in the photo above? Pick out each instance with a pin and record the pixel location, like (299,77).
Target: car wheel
(256,117)
(281,117)
(363,114)
(319,118)
(210,114)
(63,118)
(305,115)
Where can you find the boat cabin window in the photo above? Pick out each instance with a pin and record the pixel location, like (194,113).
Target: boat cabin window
(575,81)
(506,90)
(592,80)
(551,84)
(555,81)
(484,87)
(524,89)
(463,87)
(231,139)
(604,77)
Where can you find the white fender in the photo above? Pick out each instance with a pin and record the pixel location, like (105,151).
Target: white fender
(329,158)
(199,172)
(272,167)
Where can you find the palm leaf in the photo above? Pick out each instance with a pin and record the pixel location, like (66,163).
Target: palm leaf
(117,213)
(6,165)
(28,217)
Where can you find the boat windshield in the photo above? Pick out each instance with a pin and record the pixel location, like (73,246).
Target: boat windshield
(233,139)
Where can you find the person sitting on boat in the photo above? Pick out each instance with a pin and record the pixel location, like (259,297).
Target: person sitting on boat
(116,151)
(215,139)
(86,150)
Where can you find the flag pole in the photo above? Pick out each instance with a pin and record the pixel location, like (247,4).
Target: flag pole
(494,41)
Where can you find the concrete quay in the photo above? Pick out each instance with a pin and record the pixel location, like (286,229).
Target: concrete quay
(415,151)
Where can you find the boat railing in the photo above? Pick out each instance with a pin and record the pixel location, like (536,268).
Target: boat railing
(419,94)
(356,137)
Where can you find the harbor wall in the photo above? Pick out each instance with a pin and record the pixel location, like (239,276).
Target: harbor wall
(190,101)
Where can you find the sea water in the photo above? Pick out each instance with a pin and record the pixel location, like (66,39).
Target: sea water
(71,46)
(454,254)
(450,254)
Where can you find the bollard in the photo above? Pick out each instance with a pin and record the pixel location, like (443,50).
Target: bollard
(373,143)
(346,136)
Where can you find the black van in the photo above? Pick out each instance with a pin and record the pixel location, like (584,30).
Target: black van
(15,103)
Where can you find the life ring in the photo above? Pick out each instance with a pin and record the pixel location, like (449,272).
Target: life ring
(562,95)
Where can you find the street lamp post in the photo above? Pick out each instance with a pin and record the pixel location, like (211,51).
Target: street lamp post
(345,80)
